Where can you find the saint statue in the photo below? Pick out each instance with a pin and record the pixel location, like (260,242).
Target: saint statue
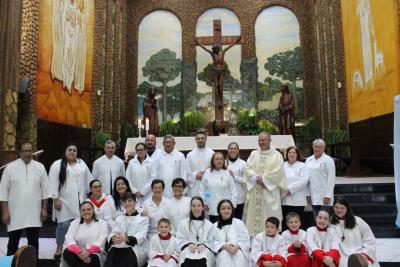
(286,110)
(150,111)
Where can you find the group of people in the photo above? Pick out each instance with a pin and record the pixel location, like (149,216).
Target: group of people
(204,209)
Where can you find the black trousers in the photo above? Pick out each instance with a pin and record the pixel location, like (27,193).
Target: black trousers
(298,209)
(239,211)
(32,234)
(73,260)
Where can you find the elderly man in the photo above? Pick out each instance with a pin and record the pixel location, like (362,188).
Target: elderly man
(169,164)
(199,159)
(152,150)
(23,194)
(266,182)
(108,167)
(322,173)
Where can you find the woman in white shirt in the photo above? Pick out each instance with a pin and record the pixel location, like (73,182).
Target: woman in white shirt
(69,179)
(218,184)
(236,167)
(85,239)
(357,242)
(121,185)
(231,238)
(297,180)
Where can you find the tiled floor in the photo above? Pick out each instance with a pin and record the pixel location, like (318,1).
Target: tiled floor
(388,250)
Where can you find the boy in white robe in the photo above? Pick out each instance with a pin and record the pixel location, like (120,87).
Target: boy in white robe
(164,249)
(268,248)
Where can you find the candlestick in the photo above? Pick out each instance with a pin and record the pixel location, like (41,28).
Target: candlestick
(140,127)
(147,124)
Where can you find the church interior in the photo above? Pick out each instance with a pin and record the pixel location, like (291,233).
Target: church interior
(81,72)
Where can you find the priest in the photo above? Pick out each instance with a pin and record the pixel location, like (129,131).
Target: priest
(266,183)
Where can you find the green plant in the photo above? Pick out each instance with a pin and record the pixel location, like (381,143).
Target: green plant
(170,127)
(335,136)
(192,122)
(246,122)
(100,138)
(311,129)
(266,126)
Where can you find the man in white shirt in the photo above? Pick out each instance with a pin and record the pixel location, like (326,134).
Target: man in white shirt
(23,194)
(169,164)
(322,173)
(198,160)
(108,167)
(152,150)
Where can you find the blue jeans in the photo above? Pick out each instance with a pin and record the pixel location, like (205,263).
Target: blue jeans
(61,231)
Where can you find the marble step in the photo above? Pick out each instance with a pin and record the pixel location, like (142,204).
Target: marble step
(354,198)
(376,188)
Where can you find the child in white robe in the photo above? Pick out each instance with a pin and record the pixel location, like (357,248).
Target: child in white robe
(323,242)
(231,239)
(268,246)
(164,249)
(195,237)
(358,245)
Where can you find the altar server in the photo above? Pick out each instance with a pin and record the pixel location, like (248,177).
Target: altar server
(358,245)
(85,239)
(295,242)
(218,184)
(323,242)
(178,208)
(140,173)
(170,164)
(69,179)
(268,247)
(164,249)
(108,167)
(195,237)
(128,238)
(198,161)
(231,239)
(23,194)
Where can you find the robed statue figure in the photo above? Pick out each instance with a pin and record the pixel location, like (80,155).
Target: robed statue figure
(150,111)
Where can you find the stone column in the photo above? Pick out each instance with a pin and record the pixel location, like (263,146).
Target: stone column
(10,120)
(248,78)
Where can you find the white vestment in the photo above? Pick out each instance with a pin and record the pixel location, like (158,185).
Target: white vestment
(107,170)
(234,234)
(297,180)
(218,185)
(199,232)
(290,238)
(322,175)
(169,166)
(263,244)
(106,211)
(360,239)
(154,213)
(74,190)
(24,186)
(137,227)
(199,159)
(155,154)
(237,167)
(159,248)
(264,202)
(176,210)
(140,176)
(325,240)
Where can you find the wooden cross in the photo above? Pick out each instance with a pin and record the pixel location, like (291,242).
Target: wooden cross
(218,40)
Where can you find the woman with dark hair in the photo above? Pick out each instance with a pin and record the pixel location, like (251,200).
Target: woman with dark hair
(121,185)
(297,180)
(231,239)
(195,237)
(85,239)
(153,206)
(69,182)
(140,173)
(358,244)
(218,184)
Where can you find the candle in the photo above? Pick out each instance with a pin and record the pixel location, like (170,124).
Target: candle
(147,123)
(139,123)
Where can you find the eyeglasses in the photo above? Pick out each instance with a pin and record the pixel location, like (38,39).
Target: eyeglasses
(97,186)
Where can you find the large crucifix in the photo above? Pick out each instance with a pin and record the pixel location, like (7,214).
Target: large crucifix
(217,54)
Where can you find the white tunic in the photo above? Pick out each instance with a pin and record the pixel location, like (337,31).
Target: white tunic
(237,167)
(159,247)
(199,232)
(24,186)
(140,176)
(263,244)
(155,153)
(234,234)
(136,226)
(290,238)
(321,240)
(199,159)
(176,210)
(322,175)
(169,166)
(297,180)
(107,211)
(154,213)
(107,170)
(73,192)
(360,239)
(218,185)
